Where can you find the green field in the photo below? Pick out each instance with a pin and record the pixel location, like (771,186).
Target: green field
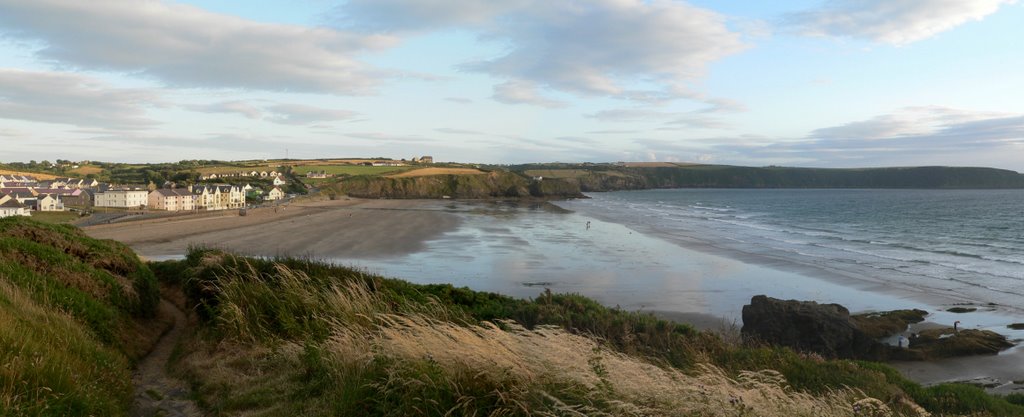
(54,217)
(302,170)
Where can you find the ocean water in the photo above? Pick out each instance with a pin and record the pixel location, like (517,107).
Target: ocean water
(962,244)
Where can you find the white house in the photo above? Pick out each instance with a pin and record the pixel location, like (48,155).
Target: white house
(121,198)
(48,202)
(218,197)
(11,207)
(279,181)
(274,194)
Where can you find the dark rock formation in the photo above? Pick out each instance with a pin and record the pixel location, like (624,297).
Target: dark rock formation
(829,330)
(887,323)
(808,326)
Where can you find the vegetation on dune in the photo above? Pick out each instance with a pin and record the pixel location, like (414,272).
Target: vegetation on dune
(293,336)
(74,311)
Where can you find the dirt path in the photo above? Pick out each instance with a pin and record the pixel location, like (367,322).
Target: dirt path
(156,393)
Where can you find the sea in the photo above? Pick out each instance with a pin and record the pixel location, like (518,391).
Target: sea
(709,250)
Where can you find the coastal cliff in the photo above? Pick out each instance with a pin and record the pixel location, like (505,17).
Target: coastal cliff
(494,184)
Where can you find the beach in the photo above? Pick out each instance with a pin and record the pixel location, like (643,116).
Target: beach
(521,249)
(329,228)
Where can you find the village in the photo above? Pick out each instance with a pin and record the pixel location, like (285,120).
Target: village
(21,195)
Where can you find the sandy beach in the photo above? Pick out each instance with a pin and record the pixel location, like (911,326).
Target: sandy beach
(332,228)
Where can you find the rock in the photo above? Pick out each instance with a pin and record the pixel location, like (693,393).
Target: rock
(947,342)
(887,323)
(825,329)
(961,310)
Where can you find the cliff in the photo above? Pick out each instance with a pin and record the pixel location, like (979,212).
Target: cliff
(494,184)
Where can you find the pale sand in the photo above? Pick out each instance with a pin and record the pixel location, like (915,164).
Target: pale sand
(341,228)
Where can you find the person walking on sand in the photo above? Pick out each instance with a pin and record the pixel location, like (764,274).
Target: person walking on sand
(588,224)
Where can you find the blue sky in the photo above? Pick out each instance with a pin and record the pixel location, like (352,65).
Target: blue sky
(835,83)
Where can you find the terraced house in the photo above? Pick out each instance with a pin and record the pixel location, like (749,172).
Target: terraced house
(172,199)
(218,197)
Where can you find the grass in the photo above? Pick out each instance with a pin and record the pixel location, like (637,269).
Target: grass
(281,341)
(84,170)
(302,170)
(55,217)
(424,172)
(568,173)
(74,312)
(291,336)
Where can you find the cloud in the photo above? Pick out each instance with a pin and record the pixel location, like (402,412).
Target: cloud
(459,100)
(290,114)
(701,118)
(453,131)
(523,92)
(54,97)
(896,22)
(909,136)
(298,114)
(597,47)
(186,46)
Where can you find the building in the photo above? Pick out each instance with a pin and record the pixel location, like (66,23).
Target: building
(317,174)
(12,207)
(274,194)
(121,198)
(48,202)
(172,199)
(278,180)
(218,197)
(426,159)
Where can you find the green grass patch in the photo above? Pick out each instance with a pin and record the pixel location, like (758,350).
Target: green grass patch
(55,217)
(302,170)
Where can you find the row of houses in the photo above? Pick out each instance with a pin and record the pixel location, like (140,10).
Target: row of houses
(262,174)
(16,181)
(199,197)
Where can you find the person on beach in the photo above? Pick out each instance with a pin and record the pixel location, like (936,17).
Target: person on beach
(956,326)
(588,224)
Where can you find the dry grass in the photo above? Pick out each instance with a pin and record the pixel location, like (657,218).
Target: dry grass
(38,175)
(419,361)
(424,172)
(86,170)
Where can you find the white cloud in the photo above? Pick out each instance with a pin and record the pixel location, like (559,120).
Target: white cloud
(54,97)
(183,45)
(290,114)
(298,114)
(896,22)
(597,47)
(524,92)
(910,136)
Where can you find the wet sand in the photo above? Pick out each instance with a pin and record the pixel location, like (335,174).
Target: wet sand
(348,227)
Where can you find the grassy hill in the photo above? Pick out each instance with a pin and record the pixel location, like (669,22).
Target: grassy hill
(74,313)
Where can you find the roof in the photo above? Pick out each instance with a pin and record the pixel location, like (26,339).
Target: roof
(171,192)
(12,203)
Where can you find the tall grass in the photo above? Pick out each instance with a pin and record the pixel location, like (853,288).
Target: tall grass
(300,344)
(51,366)
(74,312)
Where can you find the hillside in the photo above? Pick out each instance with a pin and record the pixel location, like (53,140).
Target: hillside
(608,177)
(75,312)
(494,184)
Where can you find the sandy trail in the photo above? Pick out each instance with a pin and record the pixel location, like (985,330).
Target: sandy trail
(156,392)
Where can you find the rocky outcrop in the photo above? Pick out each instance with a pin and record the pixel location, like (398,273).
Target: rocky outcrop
(825,329)
(829,330)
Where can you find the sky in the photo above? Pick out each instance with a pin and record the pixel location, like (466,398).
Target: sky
(832,83)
